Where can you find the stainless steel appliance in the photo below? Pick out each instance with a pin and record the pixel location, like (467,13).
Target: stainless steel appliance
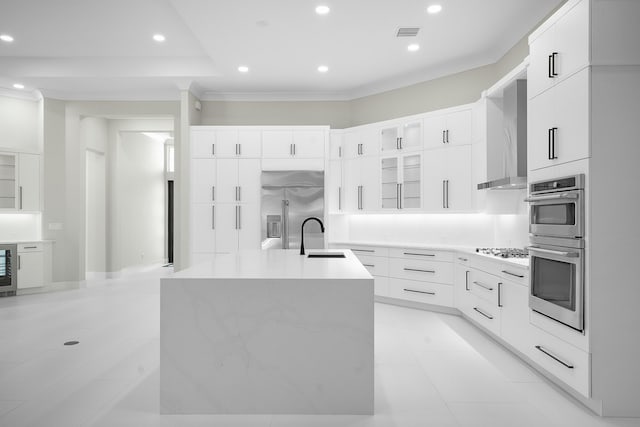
(557,207)
(8,270)
(288,197)
(556,226)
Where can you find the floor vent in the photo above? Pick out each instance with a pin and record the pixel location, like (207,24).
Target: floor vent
(407,31)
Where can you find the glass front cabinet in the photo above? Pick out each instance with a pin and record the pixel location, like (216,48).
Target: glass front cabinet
(403,137)
(401,180)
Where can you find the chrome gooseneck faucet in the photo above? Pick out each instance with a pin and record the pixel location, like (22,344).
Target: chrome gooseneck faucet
(302,231)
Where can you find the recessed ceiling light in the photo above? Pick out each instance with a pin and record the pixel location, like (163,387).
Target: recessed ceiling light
(413,47)
(323,68)
(18,86)
(434,8)
(322,10)
(6,38)
(243,69)
(159,38)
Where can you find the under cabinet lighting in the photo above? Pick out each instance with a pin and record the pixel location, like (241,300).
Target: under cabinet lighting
(6,38)
(434,8)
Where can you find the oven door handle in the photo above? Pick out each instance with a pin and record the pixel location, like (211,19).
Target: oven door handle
(551,197)
(552,252)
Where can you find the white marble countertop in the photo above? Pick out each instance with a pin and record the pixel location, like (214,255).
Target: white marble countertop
(522,262)
(277,264)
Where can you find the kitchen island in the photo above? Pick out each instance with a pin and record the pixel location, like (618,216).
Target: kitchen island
(267,332)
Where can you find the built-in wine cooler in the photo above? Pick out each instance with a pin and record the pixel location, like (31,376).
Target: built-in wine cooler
(8,270)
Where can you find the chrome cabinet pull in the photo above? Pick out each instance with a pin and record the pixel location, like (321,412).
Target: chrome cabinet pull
(553,143)
(213,217)
(550,67)
(19,263)
(554,55)
(483,313)
(447,187)
(339,198)
(213,149)
(415,254)
(30,247)
(363,250)
(552,197)
(239,149)
(554,357)
(482,285)
(447,135)
(444,205)
(20,188)
(499,294)
(239,217)
(213,193)
(419,292)
(549,131)
(466,280)
(419,270)
(369,265)
(236,217)
(513,274)
(400,142)
(294,149)
(443,141)
(400,196)
(397,143)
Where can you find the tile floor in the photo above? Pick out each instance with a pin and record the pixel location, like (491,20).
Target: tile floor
(431,369)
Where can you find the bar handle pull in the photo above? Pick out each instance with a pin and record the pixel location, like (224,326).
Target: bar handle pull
(19,263)
(239,217)
(499,294)
(369,265)
(415,254)
(513,274)
(419,292)
(213,149)
(483,313)
(466,280)
(20,196)
(213,217)
(483,286)
(339,198)
(419,270)
(463,259)
(443,140)
(554,55)
(447,136)
(554,357)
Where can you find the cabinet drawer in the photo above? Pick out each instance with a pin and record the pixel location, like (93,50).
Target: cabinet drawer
(484,285)
(519,275)
(364,250)
(417,269)
(566,362)
(381,286)
(426,292)
(377,266)
(424,254)
(30,247)
(484,313)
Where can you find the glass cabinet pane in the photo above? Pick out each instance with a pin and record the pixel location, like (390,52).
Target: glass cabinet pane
(389,179)
(389,139)
(411,179)
(7,181)
(412,135)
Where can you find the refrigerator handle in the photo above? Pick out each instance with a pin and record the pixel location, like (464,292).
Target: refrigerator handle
(285,224)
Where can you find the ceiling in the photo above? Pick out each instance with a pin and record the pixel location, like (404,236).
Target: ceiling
(89,49)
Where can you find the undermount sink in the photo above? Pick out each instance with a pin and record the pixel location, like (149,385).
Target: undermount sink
(326,255)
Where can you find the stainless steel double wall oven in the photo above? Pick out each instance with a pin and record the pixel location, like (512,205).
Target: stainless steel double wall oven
(556,233)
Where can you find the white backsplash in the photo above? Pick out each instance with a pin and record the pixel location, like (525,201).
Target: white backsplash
(19,226)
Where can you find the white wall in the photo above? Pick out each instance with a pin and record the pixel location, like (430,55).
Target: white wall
(139,187)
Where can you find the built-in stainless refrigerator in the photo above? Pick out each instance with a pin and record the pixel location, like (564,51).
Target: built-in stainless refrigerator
(288,197)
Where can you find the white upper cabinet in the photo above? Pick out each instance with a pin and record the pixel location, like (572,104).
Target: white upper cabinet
(558,49)
(334,186)
(401,182)
(225,143)
(401,137)
(335,145)
(288,143)
(447,179)
(360,142)
(448,129)
(20,181)
(361,184)
(558,123)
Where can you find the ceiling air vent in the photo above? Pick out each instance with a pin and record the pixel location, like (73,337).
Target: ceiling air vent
(407,31)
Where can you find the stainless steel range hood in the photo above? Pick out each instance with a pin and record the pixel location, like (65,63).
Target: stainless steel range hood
(507,151)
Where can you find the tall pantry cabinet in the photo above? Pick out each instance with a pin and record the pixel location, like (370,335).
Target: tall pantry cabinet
(584,104)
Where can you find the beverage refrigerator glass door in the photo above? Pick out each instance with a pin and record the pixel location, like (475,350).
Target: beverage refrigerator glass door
(557,283)
(8,270)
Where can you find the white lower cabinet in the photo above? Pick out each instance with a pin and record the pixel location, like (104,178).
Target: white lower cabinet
(31,265)
(422,270)
(514,305)
(419,291)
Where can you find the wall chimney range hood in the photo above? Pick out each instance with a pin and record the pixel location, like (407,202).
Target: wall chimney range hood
(507,147)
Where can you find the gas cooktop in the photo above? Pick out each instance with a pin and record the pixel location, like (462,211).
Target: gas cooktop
(504,252)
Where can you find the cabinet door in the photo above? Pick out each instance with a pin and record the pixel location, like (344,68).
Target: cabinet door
(335,145)
(249,226)
(351,144)
(203,227)
(538,79)
(411,136)
(434,131)
(540,113)
(572,41)
(572,118)
(30,269)
(370,141)
(389,183)
(8,181)
(389,139)
(203,143)
(250,143)
(434,179)
(370,182)
(309,144)
(29,182)
(514,302)
(227,180)
(351,188)
(226,143)
(227,228)
(458,130)
(411,178)
(458,185)
(277,144)
(249,181)
(461,288)
(334,186)
(203,180)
